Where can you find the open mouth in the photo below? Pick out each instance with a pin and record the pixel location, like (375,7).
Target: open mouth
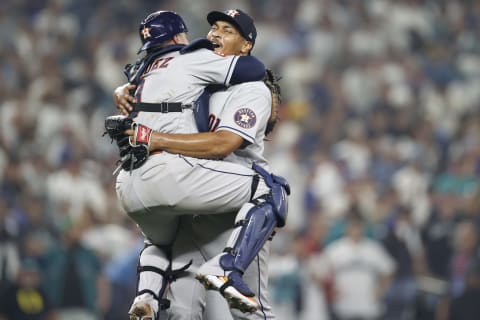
(216,44)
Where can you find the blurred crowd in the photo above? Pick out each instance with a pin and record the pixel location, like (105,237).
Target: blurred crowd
(379,139)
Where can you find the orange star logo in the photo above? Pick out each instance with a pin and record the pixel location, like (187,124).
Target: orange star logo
(146,32)
(233,13)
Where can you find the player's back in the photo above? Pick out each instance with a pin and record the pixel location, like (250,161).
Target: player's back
(176,77)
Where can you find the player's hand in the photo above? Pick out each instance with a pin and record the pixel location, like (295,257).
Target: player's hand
(123,99)
(129,132)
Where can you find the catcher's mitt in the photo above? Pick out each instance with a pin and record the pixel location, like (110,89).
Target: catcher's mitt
(133,152)
(271,81)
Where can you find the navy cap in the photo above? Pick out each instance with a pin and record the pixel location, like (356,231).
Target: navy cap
(242,21)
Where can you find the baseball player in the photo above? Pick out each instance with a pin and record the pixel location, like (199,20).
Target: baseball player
(223,107)
(168,185)
(184,292)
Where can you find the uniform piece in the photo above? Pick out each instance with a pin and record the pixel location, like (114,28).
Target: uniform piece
(167,186)
(198,238)
(224,105)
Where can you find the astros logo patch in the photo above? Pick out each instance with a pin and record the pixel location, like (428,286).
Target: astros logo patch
(245,118)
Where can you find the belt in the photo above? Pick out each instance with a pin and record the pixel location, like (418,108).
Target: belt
(162,107)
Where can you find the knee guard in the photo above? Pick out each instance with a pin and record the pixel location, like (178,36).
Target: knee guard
(256,224)
(257,221)
(279,190)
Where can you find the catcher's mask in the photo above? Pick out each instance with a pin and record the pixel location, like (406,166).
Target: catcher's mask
(159,27)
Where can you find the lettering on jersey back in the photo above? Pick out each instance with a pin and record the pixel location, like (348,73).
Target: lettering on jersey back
(157,64)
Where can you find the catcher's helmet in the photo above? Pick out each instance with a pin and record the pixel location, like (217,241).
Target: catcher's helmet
(159,27)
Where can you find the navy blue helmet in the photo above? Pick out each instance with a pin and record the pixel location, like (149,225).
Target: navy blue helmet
(159,27)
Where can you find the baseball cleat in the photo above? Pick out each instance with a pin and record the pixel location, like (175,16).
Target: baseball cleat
(141,311)
(235,299)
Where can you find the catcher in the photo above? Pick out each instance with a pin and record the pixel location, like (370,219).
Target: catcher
(134,152)
(185,184)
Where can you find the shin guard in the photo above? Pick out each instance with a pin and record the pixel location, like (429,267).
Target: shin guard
(255,229)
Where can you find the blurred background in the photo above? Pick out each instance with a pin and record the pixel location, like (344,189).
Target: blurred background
(379,139)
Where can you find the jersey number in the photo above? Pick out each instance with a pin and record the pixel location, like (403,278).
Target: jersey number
(213,122)
(138,92)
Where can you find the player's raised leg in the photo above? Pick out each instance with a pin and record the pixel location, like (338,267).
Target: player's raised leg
(254,225)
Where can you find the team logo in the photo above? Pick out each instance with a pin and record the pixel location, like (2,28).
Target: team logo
(233,13)
(245,118)
(146,32)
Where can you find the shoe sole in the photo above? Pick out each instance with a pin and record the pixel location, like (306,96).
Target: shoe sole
(235,299)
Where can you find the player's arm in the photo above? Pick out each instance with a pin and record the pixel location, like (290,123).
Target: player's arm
(227,70)
(206,145)
(247,68)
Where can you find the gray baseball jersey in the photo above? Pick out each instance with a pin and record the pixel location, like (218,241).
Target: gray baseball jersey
(176,77)
(203,237)
(167,186)
(176,183)
(252,99)
(243,109)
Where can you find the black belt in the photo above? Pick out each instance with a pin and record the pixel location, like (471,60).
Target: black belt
(163,107)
